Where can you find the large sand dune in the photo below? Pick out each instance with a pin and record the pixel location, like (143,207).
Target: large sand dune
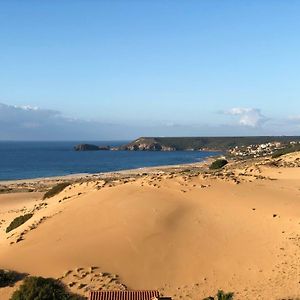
(186,236)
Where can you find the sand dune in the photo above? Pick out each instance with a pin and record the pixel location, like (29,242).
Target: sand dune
(184,235)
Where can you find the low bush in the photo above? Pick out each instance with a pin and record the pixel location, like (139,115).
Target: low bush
(224,296)
(18,221)
(56,189)
(286,150)
(9,278)
(281,152)
(39,288)
(218,164)
(221,295)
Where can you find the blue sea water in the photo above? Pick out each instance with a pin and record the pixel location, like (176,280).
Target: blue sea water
(23,160)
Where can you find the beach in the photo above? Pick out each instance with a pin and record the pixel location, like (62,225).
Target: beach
(184,230)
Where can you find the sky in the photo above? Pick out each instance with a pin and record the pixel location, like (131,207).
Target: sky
(112,69)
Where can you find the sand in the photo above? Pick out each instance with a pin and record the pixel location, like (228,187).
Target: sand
(187,234)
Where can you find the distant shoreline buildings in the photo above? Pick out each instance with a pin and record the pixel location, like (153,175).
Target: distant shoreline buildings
(258,150)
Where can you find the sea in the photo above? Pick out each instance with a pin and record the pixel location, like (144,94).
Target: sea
(27,160)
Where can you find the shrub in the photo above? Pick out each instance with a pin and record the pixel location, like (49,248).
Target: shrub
(224,296)
(9,278)
(286,150)
(218,164)
(283,152)
(221,295)
(39,288)
(277,154)
(18,221)
(56,189)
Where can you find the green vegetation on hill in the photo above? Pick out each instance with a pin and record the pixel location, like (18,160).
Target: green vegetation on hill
(209,143)
(39,288)
(286,150)
(56,189)
(18,221)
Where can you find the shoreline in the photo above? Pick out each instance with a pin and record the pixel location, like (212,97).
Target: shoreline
(134,171)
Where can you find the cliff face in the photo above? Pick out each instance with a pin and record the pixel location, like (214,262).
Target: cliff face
(150,147)
(147,144)
(166,144)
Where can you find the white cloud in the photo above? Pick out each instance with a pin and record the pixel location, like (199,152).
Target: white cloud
(26,114)
(27,122)
(251,117)
(27,107)
(295,118)
(33,123)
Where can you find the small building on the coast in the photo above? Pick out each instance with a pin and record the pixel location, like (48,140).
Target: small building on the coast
(127,295)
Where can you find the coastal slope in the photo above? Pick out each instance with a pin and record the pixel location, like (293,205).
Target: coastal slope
(202,143)
(193,143)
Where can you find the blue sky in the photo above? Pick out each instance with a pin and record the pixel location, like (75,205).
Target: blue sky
(149,68)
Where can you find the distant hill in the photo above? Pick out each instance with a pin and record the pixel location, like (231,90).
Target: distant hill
(201,143)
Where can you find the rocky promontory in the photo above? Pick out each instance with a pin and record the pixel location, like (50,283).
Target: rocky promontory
(90,147)
(191,143)
(147,144)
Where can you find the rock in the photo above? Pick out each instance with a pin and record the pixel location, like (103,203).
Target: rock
(90,147)
(105,148)
(86,147)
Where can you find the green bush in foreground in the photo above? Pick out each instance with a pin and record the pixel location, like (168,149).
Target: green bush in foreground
(221,295)
(56,189)
(9,278)
(39,288)
(218,164)
(18,221)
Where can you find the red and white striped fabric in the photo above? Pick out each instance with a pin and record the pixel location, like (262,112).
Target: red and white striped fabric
(124,295)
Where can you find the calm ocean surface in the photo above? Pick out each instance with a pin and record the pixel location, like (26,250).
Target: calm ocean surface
(20,160)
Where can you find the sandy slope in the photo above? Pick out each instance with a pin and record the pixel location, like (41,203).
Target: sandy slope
(186,236)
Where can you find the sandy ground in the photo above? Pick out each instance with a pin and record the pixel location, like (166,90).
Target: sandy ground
(185,233)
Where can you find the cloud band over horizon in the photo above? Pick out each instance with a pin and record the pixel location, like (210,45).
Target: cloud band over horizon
(33,123)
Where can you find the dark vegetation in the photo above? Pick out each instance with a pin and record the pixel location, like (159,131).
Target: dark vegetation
(218,164)
(221,295)
(286,150)
(9,278)
(56,189)
(18,221)
(39,288)
(211,143)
